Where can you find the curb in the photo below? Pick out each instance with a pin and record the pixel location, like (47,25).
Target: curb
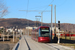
(16,46)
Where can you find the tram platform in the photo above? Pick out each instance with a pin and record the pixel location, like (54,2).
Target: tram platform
(26,43)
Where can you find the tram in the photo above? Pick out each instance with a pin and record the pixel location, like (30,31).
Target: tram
(41,34)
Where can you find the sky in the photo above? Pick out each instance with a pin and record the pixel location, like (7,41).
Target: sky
(65,10)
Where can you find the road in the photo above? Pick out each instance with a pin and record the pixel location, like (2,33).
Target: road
(26,43)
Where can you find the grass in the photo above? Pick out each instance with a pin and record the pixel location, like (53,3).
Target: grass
(69,41)
(68,44)
(10,40)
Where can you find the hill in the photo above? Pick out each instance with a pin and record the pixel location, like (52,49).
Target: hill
(22,23)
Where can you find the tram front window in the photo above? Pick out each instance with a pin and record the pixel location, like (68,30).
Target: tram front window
(44,32)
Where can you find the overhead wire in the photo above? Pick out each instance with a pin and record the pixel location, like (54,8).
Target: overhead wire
(27,8)
(26,14)
(62,3)
(39,7)
(48,6)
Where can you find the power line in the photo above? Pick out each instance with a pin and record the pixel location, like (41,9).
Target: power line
(52,1)
(62,3)
(27,5)
(48,5)
(39,7)
(27,8)
(35,10)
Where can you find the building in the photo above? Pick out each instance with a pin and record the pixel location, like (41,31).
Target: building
(11,30)
(1,27)
(31,28)
(57,30)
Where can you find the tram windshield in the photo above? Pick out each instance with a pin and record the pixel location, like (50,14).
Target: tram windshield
(45,32)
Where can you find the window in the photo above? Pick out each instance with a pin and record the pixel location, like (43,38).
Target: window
(44,32)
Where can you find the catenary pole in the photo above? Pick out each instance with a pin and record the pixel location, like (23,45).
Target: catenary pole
(41,18)
(55,18)
(13,33)
(51,21)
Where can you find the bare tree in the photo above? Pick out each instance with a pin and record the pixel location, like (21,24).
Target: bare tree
(3,9)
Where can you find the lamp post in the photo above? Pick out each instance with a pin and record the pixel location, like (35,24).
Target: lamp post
(51,21)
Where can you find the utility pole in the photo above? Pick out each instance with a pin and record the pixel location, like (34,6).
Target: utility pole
(72,29)
(55,19)
(3,34)
(28,27)
(16,31)
(41,18)
(13,33)
(51,21)
(8,35)
(38,20)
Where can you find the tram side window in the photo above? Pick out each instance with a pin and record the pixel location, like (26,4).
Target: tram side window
(36,30)
(36,34)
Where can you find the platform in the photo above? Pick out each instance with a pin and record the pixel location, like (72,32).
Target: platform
(26,43)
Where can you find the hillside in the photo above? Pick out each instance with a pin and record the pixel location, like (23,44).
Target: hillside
(22,23)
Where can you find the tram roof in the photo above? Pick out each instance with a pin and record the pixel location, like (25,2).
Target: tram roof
(43,27)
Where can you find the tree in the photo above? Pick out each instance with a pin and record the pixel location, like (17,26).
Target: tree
(3,9)
(1,30)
